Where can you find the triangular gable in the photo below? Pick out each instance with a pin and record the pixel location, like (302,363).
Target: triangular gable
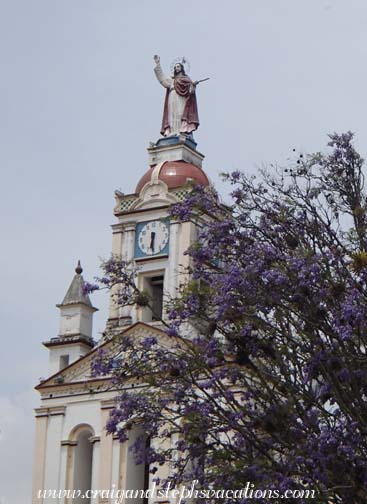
(80,370)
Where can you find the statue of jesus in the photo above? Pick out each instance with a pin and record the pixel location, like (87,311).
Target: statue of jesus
(180,113)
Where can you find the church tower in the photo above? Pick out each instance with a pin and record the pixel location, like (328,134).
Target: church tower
(144,232)
(76,324)
(73,453)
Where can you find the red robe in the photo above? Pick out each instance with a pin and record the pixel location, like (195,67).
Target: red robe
(182,85)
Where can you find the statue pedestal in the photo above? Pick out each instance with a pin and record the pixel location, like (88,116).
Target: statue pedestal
(175,148)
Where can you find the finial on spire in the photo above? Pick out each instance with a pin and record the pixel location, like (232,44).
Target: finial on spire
(79,269)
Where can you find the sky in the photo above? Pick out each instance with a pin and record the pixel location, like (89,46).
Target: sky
(79,104)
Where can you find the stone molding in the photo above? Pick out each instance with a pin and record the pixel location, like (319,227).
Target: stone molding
(50,411)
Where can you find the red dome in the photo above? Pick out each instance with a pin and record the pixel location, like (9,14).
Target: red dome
(174,174)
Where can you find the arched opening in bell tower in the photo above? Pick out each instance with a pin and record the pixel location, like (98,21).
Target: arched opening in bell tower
(152,283)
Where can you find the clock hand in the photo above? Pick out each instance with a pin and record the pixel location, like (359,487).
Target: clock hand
(152,238)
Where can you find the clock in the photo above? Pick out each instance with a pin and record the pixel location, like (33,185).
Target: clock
(152,238)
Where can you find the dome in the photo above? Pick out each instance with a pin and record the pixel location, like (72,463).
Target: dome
(174,174)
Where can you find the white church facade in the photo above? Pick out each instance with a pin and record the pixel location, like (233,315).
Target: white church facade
(72,448)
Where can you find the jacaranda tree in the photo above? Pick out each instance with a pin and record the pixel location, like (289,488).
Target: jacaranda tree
(263,374)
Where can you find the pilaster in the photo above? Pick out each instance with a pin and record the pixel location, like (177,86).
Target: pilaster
(39,454)
(96,466)
(106,445)
(173,261)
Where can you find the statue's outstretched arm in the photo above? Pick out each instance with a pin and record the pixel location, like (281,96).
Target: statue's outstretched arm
(163,79)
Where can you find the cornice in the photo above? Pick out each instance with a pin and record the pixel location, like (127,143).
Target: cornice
(50,411)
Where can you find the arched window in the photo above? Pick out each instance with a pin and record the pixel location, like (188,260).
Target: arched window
(82,461)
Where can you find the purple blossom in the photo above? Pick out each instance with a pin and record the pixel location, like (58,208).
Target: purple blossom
(268,384)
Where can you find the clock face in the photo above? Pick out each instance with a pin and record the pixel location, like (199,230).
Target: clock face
(152,237)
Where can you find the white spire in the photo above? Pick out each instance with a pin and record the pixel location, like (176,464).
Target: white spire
(76,324)
(75,293)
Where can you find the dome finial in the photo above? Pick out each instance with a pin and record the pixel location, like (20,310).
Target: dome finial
(79,269)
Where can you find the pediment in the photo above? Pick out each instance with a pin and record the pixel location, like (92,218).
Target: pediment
(154,193)
(79,372)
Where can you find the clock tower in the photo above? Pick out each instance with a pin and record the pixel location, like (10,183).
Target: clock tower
(145,233)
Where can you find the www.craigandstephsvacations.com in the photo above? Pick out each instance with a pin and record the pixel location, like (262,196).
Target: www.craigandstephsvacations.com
(181,494)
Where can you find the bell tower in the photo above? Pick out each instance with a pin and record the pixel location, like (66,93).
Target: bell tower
(147,235)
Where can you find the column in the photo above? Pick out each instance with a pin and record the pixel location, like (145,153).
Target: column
(67,471)
(163,471)
(128,250)
(128,254)
(115,462)
(186,239)
(39,454)
(96,466)
(53,450)
(117,242)
(173,261)
(63,464)
(106,444)
(123,466)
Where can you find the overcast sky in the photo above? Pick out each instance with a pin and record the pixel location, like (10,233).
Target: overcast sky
(79,104)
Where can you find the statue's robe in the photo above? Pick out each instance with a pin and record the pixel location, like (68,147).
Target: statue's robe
(180,113)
